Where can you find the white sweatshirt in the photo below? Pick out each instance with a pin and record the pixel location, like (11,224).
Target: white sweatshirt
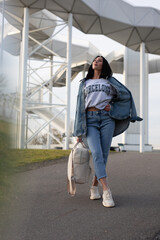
(98,93)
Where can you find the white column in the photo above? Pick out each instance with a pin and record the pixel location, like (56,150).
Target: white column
(68,82)
(142,96)
(23,78)
(18,100)
(50,101)
(2,33)
(125,67)
(146,101)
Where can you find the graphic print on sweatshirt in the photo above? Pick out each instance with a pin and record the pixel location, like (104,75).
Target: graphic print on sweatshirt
(98,93)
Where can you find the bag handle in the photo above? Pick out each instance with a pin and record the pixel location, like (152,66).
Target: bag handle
(83,144)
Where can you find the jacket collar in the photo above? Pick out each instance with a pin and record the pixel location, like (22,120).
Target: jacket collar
(83,80)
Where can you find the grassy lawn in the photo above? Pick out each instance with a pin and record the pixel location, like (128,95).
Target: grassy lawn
(24,157)
(13,159)
(5,161)
(5,157)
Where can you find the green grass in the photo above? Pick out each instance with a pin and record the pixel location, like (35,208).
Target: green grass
(5,160)
(12,160)
(5,157)
(24,157)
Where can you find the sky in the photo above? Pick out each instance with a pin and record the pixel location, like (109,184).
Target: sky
(146,3)
(105,45)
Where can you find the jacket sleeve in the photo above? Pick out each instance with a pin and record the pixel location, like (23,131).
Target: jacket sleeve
(80,125)
(133,116)
(123,106)
(77,115)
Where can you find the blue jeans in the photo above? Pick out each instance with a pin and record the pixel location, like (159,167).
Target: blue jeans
(100,129)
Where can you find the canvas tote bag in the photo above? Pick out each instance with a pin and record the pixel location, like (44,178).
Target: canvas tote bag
(79,169)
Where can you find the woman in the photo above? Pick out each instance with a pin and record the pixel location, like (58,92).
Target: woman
(105,108)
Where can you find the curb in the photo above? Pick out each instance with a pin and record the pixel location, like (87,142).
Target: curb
(36,165)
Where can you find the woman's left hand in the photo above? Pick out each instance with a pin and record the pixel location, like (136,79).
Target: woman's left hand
(107,107)
(79,139)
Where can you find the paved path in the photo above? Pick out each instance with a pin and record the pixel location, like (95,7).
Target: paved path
(42,210)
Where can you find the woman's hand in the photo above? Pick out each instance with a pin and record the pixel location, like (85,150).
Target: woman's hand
(107,107)
(79,139)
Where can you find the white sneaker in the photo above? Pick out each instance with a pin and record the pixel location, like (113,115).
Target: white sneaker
(94,193)
(107,199)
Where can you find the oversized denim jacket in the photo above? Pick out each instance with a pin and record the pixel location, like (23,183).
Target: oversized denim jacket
(122,109)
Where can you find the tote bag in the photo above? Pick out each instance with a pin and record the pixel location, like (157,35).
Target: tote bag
(79,169)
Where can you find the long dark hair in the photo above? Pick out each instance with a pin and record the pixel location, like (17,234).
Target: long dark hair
(106,70)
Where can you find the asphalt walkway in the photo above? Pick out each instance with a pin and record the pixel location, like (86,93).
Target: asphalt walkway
(41,208)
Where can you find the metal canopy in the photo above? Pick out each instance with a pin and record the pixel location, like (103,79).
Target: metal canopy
(43,21)
(127,24)
(118,20)
(41,26)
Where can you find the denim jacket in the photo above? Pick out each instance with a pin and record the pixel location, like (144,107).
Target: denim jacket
(122,109)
